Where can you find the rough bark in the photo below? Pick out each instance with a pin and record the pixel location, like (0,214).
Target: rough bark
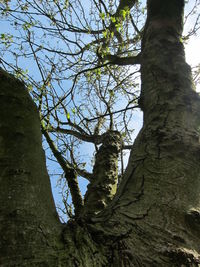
(158,203)
(154,219)
(103,187)
(30,231)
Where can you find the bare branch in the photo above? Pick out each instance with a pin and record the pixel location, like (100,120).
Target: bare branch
(95,139)
(70,174)
(122,61)
(114,112)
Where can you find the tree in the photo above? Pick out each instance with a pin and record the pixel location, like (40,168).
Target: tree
(81,54)
(154,217)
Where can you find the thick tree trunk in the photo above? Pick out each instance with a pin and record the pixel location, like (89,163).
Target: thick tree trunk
(158,203)
(29,226)
(30,231)
(154,219)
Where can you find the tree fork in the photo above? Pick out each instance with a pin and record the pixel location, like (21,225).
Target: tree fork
(31,233)
(154,219)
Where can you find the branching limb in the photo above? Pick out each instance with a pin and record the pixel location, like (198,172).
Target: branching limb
(122,61)
(70,175)
(114,112)
(127,146)
(125,3)
(95,139)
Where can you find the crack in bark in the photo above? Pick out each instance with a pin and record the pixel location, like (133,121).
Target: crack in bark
(139,216)
(137,198)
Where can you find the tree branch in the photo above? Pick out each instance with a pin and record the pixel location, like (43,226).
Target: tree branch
(70,175)
(125,3)
(84,174)
(127,146)
(122,61)
(108,114)
(95,139)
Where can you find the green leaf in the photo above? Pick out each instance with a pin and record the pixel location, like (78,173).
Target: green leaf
(143,10)
(118,26)
(6,39)
(98,72)
(24,7)
(181,39)
(123,14)
(123,134)
(43,124)
(66,4)
(68,116)
(30,87)
(3,36)
(113,19)
(105,33)
(102,15)
(27,25)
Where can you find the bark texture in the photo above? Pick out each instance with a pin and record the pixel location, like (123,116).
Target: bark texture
(31,234)
(29,225)
(103,186)
(154,218)
(158,203)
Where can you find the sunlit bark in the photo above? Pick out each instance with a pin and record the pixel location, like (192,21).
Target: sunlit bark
(154,219)
(158,202)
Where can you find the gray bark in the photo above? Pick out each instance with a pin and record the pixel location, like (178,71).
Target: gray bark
(154,218)
(158,203)
(28,218)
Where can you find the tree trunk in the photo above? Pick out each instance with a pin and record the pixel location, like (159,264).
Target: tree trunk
(154,219)
(103,186)
(158,203)
(29,226)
